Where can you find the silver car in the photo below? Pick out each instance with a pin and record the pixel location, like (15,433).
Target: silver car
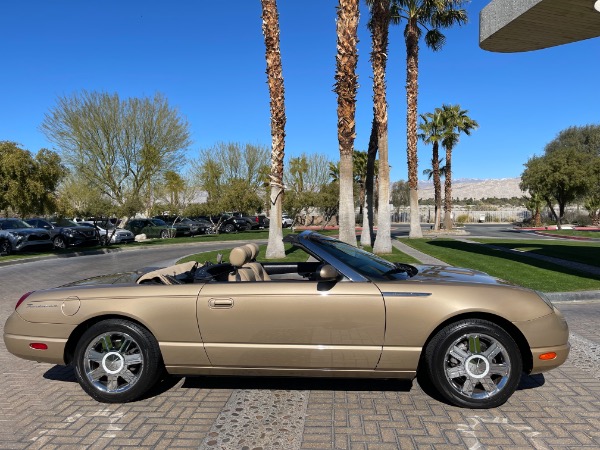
(19,235)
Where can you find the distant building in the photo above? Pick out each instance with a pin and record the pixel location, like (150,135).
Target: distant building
(523,25)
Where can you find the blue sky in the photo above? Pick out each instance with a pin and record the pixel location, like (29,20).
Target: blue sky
(207,58)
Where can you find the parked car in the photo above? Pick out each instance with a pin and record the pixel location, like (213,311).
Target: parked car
(203,226)
(181,228)
(257,221)
(66,233)
(228,224)
(286,221)
(17,235)
(347,313)
(152,228)
(106,230)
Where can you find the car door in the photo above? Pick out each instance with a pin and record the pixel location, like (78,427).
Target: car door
(292,324)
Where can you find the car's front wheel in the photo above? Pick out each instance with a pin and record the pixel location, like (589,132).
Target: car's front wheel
(59,242)
(474,363)
(229,228)
(164,234)
(117,361)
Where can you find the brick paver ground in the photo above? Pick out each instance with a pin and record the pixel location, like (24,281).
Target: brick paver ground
(42,407)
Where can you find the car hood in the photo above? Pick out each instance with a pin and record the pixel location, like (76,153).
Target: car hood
(455,275)
(26,231)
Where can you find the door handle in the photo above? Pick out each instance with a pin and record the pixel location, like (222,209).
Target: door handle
(220,303)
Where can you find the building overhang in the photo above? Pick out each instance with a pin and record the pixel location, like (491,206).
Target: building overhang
(523,25)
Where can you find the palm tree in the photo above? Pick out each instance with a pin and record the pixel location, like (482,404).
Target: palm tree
(432,132)
(429,16)
(270,17)
(367,236)
(456,122)
(346,85)
(379,26)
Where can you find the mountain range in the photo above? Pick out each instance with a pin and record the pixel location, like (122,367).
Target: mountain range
(476,189)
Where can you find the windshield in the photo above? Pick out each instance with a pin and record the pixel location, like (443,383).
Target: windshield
(363,262)
(158,222)
(13,224)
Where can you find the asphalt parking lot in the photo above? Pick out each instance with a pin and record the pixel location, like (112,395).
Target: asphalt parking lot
(43,407)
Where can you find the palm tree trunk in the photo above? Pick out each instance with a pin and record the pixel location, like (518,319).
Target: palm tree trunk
(412,88)
(380,30)
(437,186)
(270,16)
(366,237)
(448,190)
(345,87)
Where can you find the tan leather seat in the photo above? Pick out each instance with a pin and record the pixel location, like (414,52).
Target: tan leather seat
(259,271)
(238,257)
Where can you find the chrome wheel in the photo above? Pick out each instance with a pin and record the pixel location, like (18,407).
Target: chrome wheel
(113,362)
(477,366)
(473,363)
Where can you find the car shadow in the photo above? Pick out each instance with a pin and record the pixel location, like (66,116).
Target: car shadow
(61,373)
(297,384)
(168,382)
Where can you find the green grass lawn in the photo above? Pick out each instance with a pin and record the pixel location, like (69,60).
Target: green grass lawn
(517,269)
(577,233)
(582,252)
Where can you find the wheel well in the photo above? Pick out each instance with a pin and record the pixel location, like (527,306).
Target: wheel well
(84,326)
(511,329)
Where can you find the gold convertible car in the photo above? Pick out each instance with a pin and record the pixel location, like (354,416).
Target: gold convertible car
(342,313)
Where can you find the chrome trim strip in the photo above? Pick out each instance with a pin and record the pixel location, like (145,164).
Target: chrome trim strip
(406,294)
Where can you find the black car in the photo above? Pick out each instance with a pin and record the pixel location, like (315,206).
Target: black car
(16,235)
(197,225)
(257,221)
(176,222)
(66,233)
(227,223)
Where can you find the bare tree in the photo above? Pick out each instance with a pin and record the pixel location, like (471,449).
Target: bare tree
(118,146)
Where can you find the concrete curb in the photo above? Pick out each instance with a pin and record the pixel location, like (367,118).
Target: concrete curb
(579,296)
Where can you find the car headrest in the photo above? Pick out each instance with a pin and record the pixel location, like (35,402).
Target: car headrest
(253,248)
(239,256)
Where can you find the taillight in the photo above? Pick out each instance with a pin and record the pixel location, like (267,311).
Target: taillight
(23,298)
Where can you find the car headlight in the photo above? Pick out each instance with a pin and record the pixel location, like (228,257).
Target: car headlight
(545,299)
(69,232)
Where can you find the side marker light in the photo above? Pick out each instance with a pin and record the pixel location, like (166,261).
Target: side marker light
(38,346)
(548,356)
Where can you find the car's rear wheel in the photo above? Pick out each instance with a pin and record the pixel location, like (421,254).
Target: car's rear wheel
(474,364)
(59,242)
(229,228)
(5,247)
(117,361)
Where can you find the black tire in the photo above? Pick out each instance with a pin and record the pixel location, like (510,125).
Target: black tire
(473,363)
(164,234)
(229,228)
(59,242)
(117,361)
(5,247)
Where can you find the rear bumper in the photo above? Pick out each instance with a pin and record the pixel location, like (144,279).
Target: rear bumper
(19,334)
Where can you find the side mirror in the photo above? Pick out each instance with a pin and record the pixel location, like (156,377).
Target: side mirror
(328,273)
